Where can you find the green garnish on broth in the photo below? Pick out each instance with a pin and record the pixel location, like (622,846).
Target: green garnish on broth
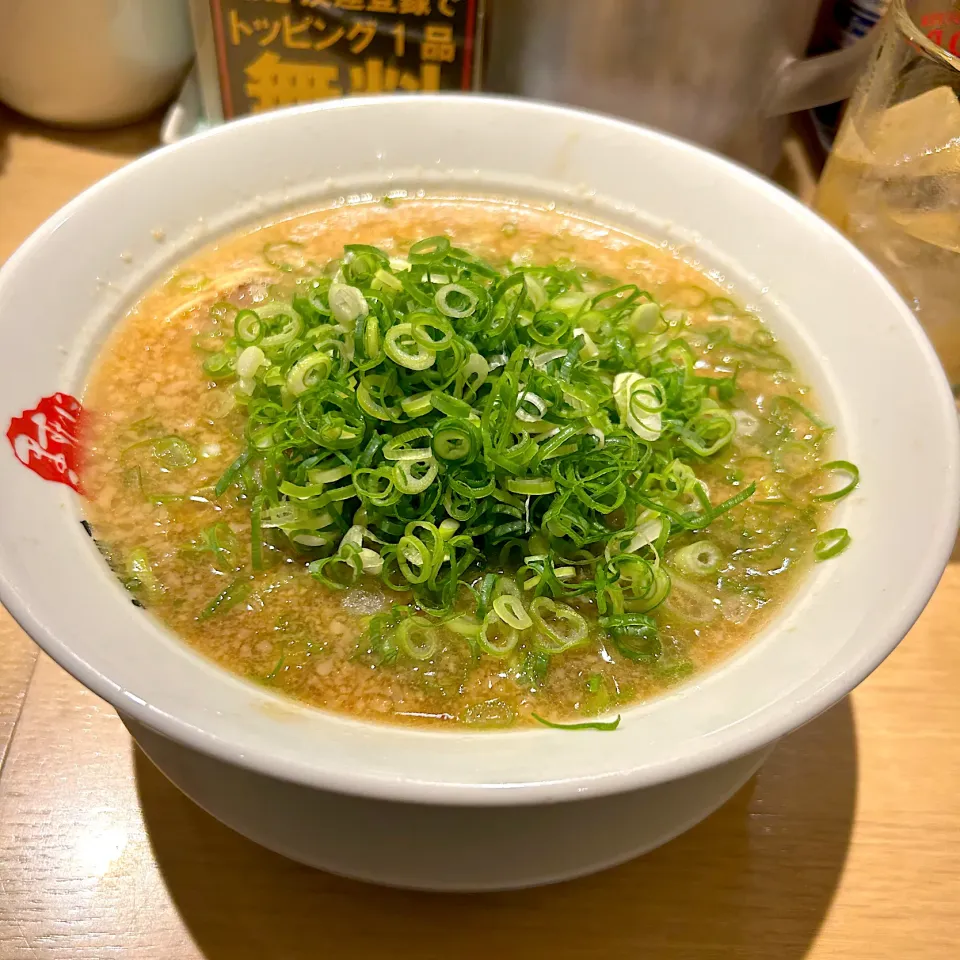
(423,484)
(841,467)
(419,420)
(831,543)
(588,725)
(512,451)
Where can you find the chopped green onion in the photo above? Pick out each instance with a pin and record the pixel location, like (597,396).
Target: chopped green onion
(347,304)
(464,625)
(399,448)
(587,725)
(640,401)
(248,328)
(232,473)
(430,250)
(308,372)
(724,307)
(840,466)
(218,365)
(416,406)
(256,533)
(441,337)
(560,627)
(428,419)
(385,279)
(531,486)
(456,441)
(634,634)
(274,673)
(699,559)
(233,595)
(645,318)
(414,476)
(249,362)
(497,637)
(403,348)
(455,300)
(418,638)
(691,603)
(187,282)
(830,543)
(709,431)
(340,571)
(289,332)
(174,453)
(510,611)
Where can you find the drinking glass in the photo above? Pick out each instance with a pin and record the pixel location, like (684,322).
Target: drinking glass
(892,181)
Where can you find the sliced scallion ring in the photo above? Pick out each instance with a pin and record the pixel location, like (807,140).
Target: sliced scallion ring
(700,559)
(414,476)
(497,638)
(455,300)
(430,419)
(531,486)
(635,635)
(418,638)
(456,441)
(511,611)
(308,372)
(559,626)
(347,304)
(174,453)
(404,446)
(843,467)
(708,431)
(248,328)
(403,348)
(291,330)
(249,362)
(830,543)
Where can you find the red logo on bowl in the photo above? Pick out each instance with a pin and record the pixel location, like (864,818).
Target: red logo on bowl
(46,439)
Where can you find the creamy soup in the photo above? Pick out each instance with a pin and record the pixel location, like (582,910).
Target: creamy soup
(455,462)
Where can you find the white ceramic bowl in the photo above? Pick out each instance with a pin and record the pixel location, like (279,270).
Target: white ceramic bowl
(327,789)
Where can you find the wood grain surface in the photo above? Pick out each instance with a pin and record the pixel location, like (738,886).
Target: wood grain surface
(845,845)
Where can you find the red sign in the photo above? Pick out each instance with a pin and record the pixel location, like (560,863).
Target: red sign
(943,29)
(46,439)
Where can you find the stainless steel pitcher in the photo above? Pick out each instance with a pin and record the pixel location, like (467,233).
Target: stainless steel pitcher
(724,73)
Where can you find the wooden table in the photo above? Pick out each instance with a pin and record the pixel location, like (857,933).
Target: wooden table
(845,845)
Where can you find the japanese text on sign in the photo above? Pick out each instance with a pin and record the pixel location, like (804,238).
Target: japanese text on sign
(275,53)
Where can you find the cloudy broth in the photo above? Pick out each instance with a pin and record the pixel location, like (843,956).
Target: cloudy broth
(163,433)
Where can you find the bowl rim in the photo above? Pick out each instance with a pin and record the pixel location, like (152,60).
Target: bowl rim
(788,717)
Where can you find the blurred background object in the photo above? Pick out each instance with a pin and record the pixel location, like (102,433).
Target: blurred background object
(92,63)
(841,24)
(892,182)
(721,74)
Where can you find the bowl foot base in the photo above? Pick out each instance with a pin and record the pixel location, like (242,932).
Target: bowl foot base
(444,848)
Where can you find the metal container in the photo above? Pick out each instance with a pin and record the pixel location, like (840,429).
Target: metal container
(722,74)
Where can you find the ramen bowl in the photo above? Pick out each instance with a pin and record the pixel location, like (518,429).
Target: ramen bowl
(480,810)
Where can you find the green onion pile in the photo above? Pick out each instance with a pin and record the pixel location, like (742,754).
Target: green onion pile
(509,447)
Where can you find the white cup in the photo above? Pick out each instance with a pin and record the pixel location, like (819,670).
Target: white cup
(89,63)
